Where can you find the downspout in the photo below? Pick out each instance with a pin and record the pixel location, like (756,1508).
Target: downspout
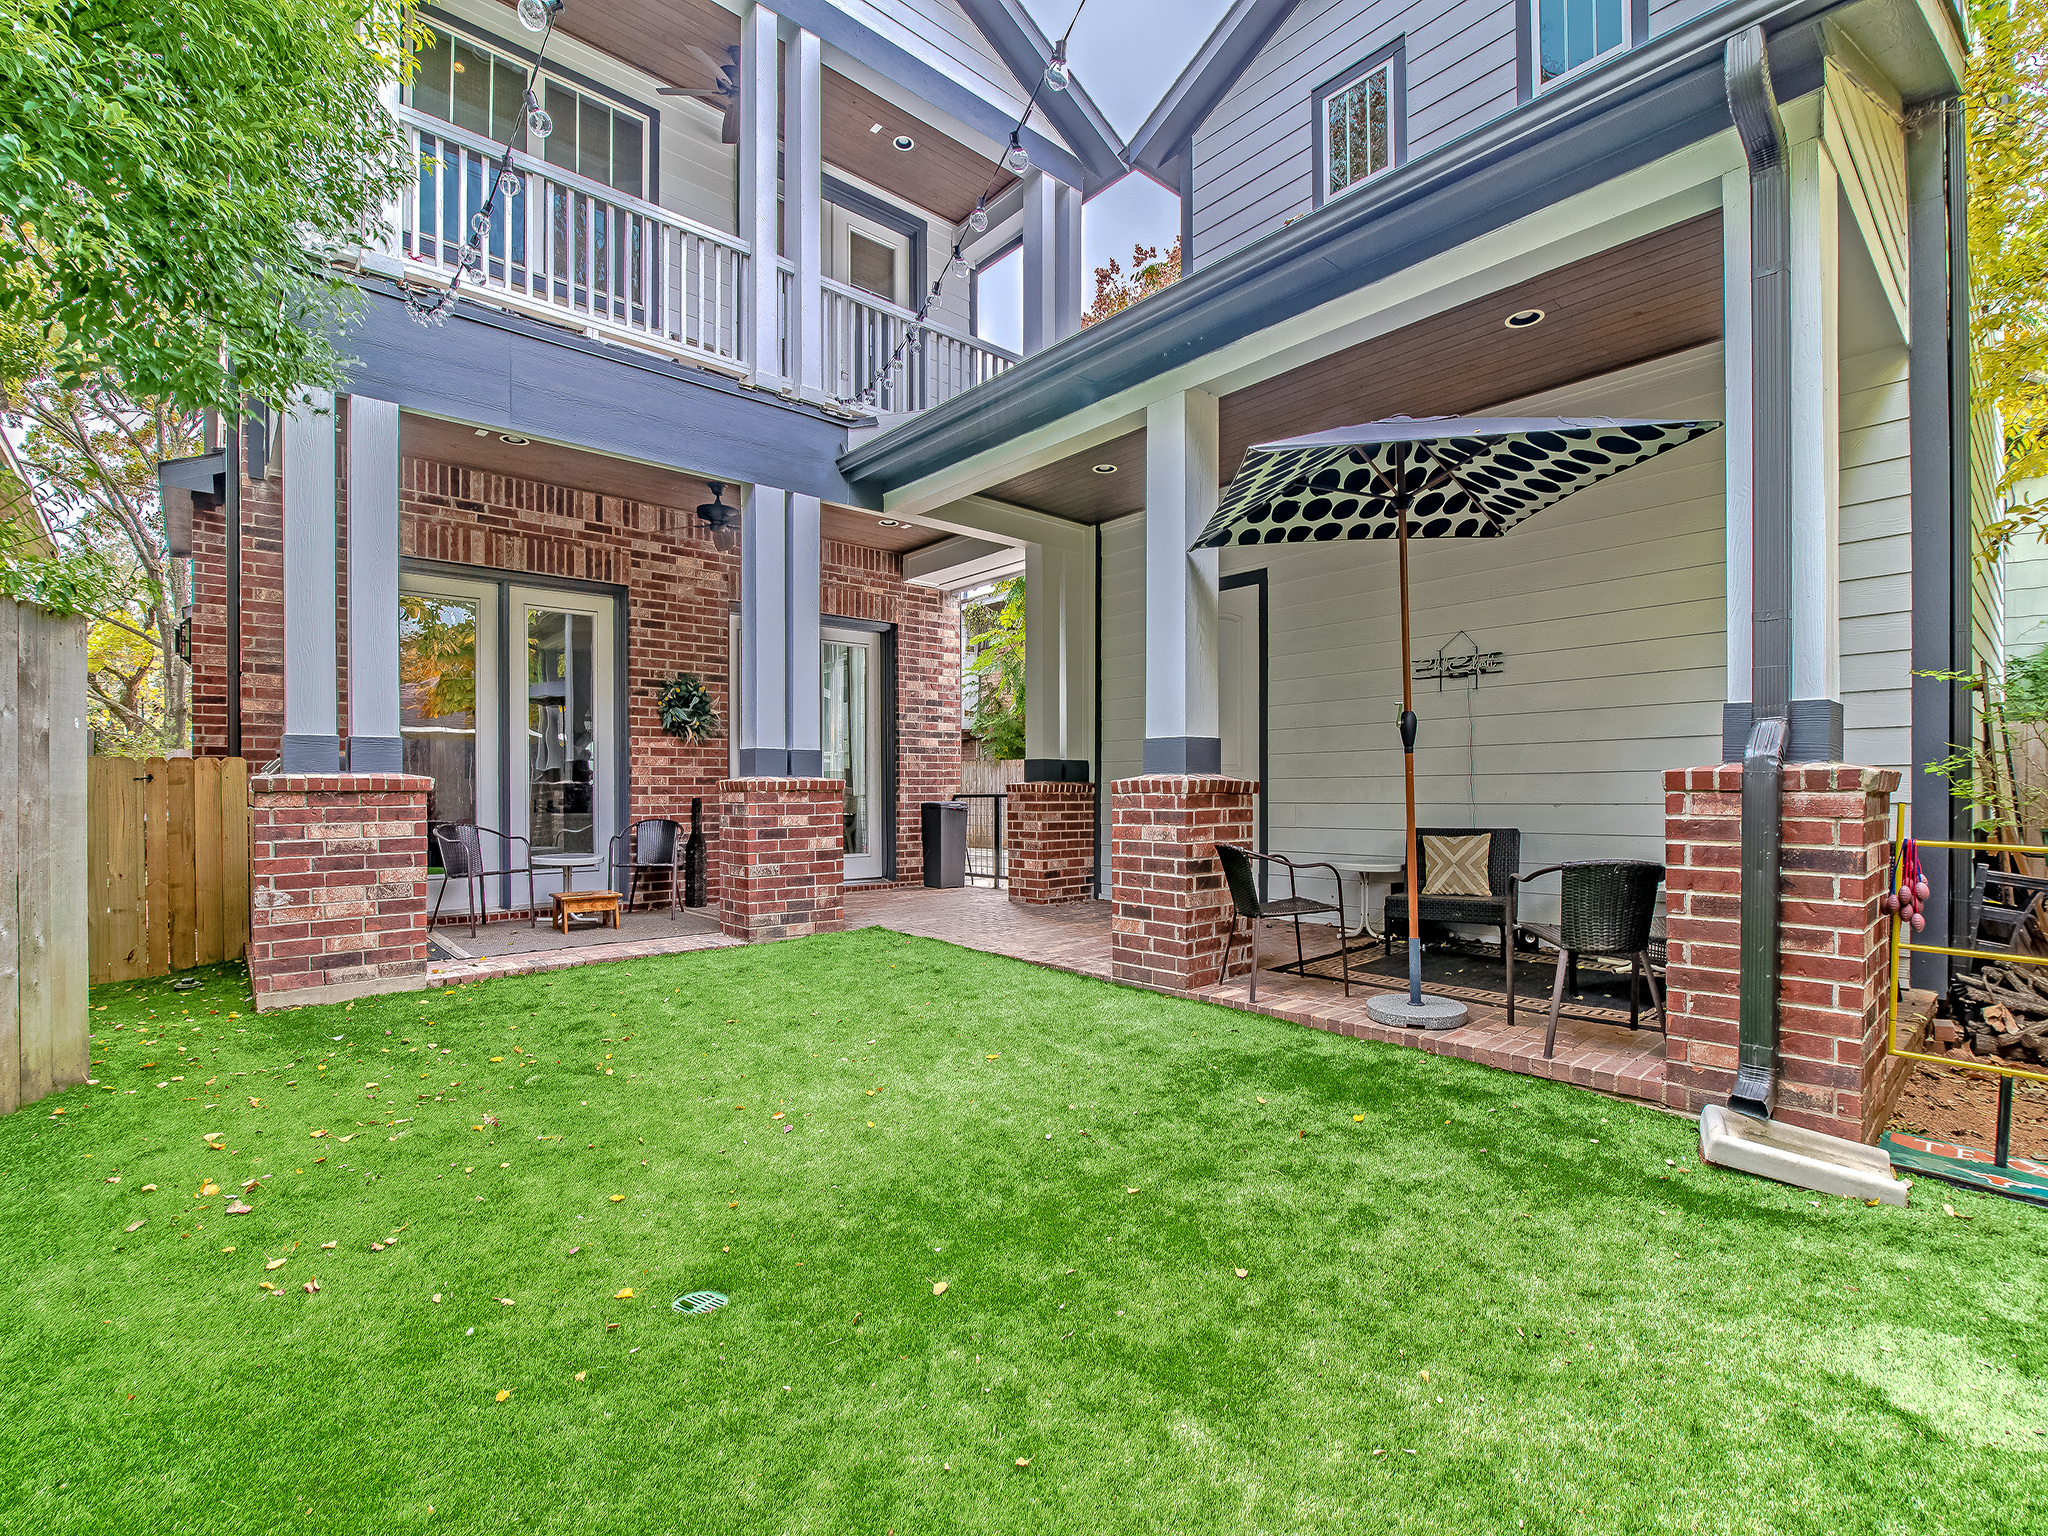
(1098,877)
(1754,108)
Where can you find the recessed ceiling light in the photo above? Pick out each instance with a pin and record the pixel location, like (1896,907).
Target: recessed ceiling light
(889,522)
(1105,469)
(516,442)
(905,142)
(1522,319)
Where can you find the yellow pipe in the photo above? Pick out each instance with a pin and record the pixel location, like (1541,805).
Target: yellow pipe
(2033,850)
(1972,954)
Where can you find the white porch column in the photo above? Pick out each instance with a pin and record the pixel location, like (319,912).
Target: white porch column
(311,742)
(1068,299)
(1041,238)
(1816,456)
(1059,660)
(803,161)
(1183,731)
(373,739)
(778,662)
(760,149)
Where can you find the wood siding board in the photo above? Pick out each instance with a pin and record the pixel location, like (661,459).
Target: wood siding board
(10,859)
(156,864)
(32,856)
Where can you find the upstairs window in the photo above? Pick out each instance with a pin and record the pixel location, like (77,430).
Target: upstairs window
(1573,33)
(1358,124)
(466,84)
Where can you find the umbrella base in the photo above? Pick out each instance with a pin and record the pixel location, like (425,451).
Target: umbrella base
(1393,1008)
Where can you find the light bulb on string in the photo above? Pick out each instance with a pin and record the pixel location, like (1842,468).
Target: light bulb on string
(978,220)
(479,222)
(534,14)
(1056,75)
(538,123)
(1015,159)
(511,183)
(957,267)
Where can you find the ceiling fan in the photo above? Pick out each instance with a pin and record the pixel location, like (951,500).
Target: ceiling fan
(726,72)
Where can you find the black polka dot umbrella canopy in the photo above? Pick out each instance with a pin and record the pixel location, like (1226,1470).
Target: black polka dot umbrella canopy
(1429,477)
(1467,477)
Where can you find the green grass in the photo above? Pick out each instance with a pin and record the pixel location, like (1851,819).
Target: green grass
(1614,1338)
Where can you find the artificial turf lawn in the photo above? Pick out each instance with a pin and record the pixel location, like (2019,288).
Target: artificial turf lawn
(1613,1338)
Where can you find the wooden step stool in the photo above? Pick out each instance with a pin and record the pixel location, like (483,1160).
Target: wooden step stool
(605,904)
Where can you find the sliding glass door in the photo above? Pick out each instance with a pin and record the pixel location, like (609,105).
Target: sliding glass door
(564,764)
(448,699)
(850,692)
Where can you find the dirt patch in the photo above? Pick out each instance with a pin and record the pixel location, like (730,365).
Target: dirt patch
(1953,1104)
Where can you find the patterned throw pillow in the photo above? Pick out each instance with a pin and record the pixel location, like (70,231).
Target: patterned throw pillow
(1456,866)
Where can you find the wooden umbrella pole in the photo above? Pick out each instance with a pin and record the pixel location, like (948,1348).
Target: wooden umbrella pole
(1408,741)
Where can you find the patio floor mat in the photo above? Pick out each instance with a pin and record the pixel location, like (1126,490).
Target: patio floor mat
(1472,973)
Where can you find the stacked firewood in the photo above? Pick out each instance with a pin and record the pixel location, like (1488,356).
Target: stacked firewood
(2014,998)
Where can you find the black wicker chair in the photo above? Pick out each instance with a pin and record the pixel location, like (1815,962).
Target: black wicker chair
(462,858)
(1246,903)
(1605,907)
(650,846)
(1503,858)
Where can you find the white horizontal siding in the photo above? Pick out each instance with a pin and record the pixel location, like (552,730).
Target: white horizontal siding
(939,33)
(1255,155)
(2025,582)
(1876,549)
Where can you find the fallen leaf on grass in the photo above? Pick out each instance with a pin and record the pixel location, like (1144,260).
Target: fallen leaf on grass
(376,1247)
(265,1285)
(625,1295)
(617,1198)
(501,1397)
(317,1134)
(312,1287)
(611,1327)
(1243,1273)
(1023,1461)
(939,1289)
(131,1226)
(240,1209)
(115,1179)
(580,1375)
(1358,1119)
(209,1188)
(1260,1100)
(1959,1215)
(277,1264)
(327,1245)
(776,1116)
(576,1250)
(505,1301)
(437,1298)
(1128,1190)
(149,1189)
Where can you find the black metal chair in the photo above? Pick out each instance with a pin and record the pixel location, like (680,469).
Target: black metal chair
(650,845)
(462,858)
(1606,908)
(1503,858)
(1246,903)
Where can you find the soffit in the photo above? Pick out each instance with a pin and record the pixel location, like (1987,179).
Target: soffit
(1649,298)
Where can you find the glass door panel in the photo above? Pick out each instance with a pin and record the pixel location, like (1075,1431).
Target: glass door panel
(565,757)
(447,699)
(849,696)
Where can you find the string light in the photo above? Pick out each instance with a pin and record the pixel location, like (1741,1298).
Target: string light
(537,15)
(1016,159)
(978,220)
(1056,74)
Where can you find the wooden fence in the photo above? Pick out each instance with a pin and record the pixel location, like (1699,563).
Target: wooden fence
(43,1044)
(168,856)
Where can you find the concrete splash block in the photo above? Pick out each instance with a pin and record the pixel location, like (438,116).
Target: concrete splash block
(1793,1155)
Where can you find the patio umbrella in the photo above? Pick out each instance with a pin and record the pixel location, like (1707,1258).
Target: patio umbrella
(1430,477)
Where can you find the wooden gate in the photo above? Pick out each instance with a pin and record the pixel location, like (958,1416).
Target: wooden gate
(168,850)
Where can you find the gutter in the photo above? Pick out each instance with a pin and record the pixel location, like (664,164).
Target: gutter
(1762,132)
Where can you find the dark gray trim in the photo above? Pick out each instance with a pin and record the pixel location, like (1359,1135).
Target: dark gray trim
(309,754)
(376,754)
(1754,110)
(1257,579)
(1057,770)
(238,450)
(889,216)
(1937,293)
(852,38)
(1025,51)
(1096,877)
(1210,74)
(1815,734)
(1638,22)
(859,626)
(1525,52)
(515,50)
(767,763)
(511,374)
(1394,54)
(1183,754)
(1647,103)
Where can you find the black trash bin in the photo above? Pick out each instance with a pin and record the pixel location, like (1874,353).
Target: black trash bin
(945,844)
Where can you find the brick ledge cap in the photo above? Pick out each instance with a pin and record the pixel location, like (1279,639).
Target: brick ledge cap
(771,786)
(1183,784)
(338,783)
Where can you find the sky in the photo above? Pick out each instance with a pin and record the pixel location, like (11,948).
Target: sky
(1126,52)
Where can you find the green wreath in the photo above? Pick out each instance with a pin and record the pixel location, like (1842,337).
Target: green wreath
(686,709)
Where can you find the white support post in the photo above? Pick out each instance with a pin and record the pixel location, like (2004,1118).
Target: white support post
(801,597)
(1737,447)
(1068,300)
(1041,261)
(803,162)
(1183,717)
(311,742)
(1059,662)
(764,635)
(1816,452)
(760,153)
(374,745)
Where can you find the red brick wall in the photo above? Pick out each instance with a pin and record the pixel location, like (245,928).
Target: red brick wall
(1172,911)
(682,582)
(1834,1075)
(338,884)
(782,857)
(1049,842)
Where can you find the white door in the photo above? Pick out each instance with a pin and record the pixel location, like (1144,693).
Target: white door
(448,708)
(850,712)
(564,758)
(1243,707)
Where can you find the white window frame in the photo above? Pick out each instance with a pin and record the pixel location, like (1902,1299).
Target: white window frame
(1538,84)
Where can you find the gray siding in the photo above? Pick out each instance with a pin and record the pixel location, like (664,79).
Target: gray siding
(1876,544)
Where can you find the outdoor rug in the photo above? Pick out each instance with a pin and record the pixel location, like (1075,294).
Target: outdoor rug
(1472,973)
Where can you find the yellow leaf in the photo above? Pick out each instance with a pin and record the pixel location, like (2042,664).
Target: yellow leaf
(1261,1100)
(581,1374)
(1424,1375)
(209,1188)
(437,1298)
(992,1058)
(318,1134)
(131,1226)
(497,1058)
(1358,1117)
(265,1285)
(229,1249)
(505,1301)
(939,1289)
(1128,1190)
(625,1295)
(871,1125)
(1241,1274)
(149,1189)
(617,1198)
(277,1264)
(1023,1461)
(776,1116)
(327,1245)
(502,1396)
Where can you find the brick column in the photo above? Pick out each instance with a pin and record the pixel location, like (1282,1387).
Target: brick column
(781,857)
(1172,909)
(337,886)
(1834,961)
(1049,842)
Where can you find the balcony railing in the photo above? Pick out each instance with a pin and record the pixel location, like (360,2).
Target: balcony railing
(576,249)
(861,336)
